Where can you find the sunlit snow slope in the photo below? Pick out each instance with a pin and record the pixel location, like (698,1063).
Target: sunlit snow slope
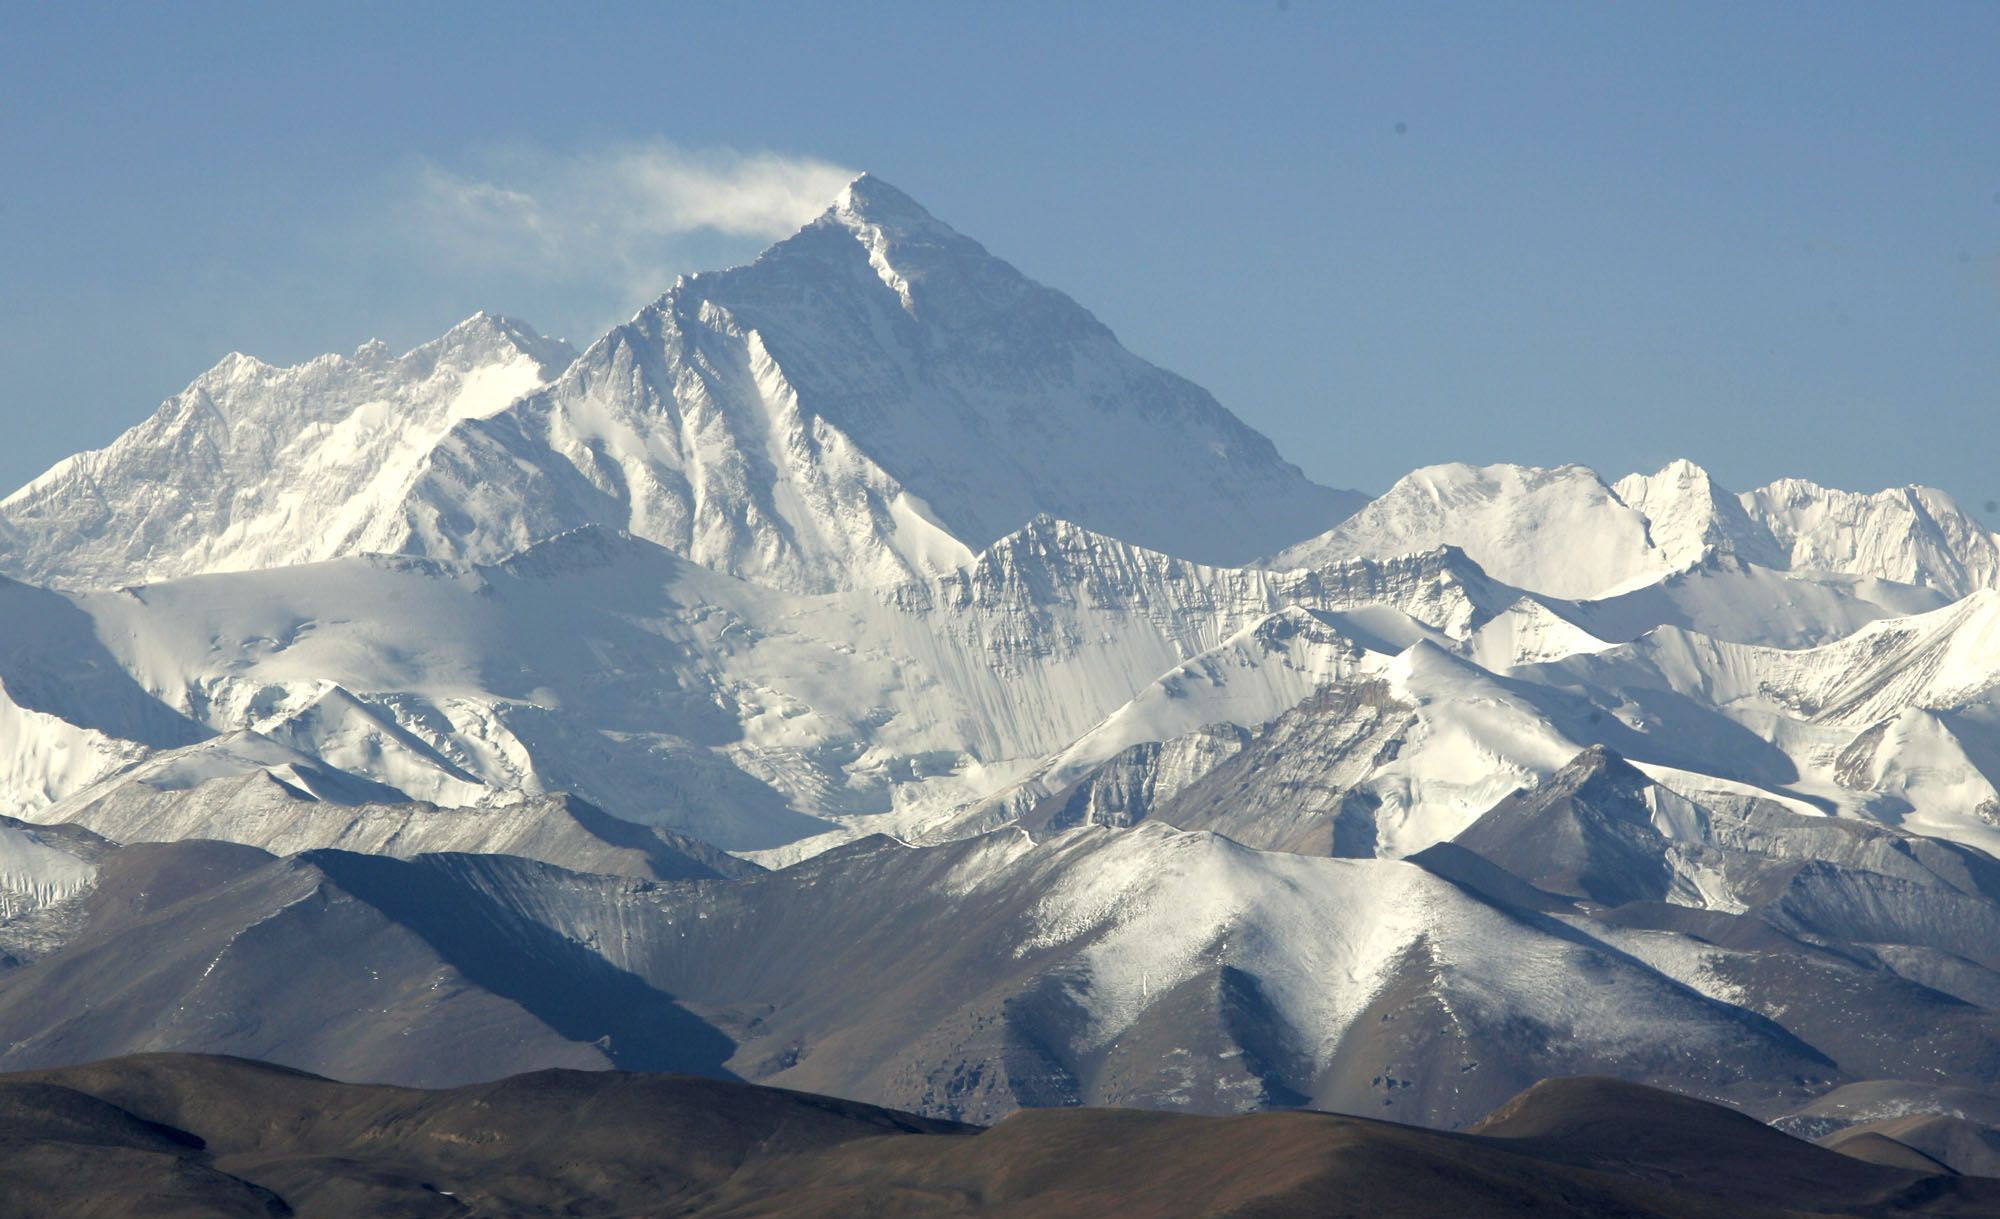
(875,397)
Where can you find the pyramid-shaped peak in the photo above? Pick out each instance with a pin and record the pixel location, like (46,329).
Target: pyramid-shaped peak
(1683,472)
(1678,478)
(484,325)
(875,397)
(1584,832)
(1048,536)
(870,200)
(488,336)
(483,322)
(1595,760)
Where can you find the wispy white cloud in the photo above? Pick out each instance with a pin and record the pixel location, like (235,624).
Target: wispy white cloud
(613,214)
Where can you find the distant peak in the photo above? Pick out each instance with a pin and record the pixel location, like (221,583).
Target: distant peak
(231,368)
(484,323)
(1681,470)
(872,201)
(1595,758)
(1046,535)
(483,331)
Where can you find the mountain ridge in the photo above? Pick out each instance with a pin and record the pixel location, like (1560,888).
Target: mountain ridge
(873,398)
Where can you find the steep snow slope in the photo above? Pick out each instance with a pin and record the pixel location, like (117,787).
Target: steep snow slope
(272,810)
(255,466)
(1297,785)
(872,399)
(1476,737)
(674,695)
(44,757)
(1386,758)
(1250,679)
(70,713)
(1440,588)
(40,866)
(1528,631)
(1691,519)
(1930,772)
(232,756)
(1896,724)
(1859,726)
(1946,658)
(1913,535)
(1136,781)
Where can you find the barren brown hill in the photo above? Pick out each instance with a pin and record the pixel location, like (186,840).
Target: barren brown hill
(191,1135)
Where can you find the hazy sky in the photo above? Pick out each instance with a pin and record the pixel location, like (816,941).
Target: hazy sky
(1766,237)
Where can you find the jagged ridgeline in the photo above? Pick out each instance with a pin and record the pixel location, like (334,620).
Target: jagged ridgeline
(860,673)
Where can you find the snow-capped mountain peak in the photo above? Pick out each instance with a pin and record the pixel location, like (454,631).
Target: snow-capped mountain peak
(1914,535)
(870,201)
(873,399)
(253,465)
(1690,517)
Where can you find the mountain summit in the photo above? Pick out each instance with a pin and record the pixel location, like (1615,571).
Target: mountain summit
(255,466)
(873,398)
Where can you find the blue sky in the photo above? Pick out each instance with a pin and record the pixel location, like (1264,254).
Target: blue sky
(1766,237)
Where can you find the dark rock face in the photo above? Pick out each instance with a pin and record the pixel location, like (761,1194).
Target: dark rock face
(1585,833)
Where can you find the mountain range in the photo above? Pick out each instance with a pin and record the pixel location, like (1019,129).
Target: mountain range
(859,673)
